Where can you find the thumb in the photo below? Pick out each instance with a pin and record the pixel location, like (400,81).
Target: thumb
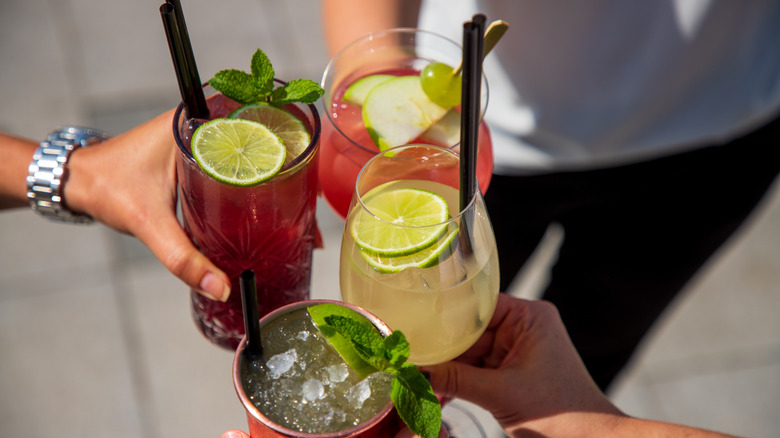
(169,243)
(234,433)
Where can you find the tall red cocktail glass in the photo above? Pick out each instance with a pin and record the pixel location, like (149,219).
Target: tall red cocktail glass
(346,144)
(269,228)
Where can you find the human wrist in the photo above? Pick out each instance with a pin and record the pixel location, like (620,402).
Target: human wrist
(78,191)
(49,171)
(17,153)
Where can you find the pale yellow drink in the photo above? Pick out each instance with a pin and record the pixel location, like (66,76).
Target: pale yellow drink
(442,309)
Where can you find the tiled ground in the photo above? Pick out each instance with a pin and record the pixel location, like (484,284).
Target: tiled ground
(96,337)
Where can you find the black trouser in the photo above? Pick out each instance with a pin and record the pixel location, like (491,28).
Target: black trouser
(633,235)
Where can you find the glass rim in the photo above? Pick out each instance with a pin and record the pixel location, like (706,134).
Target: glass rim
(382,33)
(464,413)
(390,152)
(302,157)
(255,413)
(377,34)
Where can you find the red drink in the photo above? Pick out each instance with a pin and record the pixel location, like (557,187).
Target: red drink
(347,147)
(346,144)
(269,228)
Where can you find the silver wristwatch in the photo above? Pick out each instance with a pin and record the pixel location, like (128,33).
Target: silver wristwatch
(48,173)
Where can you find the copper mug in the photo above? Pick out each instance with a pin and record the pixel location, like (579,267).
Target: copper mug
(384,424)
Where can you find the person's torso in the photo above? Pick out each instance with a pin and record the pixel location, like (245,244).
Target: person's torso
(600,82)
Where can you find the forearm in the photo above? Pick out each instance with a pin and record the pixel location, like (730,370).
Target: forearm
(636,427)
(17,154)
(614,425)
(346,20)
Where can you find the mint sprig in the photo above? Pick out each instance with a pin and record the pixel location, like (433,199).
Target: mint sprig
(411,393)
(257,87)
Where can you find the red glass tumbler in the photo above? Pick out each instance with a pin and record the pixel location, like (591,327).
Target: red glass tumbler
(269,228)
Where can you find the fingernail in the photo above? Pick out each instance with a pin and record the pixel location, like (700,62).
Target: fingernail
(213,286)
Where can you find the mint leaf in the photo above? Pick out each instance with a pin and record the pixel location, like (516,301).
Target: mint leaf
(368,343)
(299,90)
(396,349)
(262,72)
(415,402)
(236,85)
(258,86)
(340,343)
(385,354)
(411,393)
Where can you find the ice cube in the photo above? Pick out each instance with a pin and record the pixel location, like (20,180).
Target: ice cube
(303,335)
(313,390)
(279,364)
(359,394)
(337,373)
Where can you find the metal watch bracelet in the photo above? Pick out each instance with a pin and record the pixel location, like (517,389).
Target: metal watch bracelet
(48,172)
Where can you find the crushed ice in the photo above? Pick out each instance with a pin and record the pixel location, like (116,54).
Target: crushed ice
(313,390)
(279,364)
(359,393)
(337,373)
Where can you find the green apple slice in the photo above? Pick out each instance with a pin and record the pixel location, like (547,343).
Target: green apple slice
(445,132)
(357,92)
(397,111)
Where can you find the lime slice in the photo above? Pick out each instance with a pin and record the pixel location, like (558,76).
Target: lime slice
(357,92)
(426,258)
(397,111)
(342,345)
(288,127)
(419,213)
(238,152)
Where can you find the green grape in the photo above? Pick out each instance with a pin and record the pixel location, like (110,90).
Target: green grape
(440,85)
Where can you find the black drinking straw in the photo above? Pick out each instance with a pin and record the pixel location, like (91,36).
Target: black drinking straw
(253,346)
(473,44)
(479,20)
(183,61)
(189,56)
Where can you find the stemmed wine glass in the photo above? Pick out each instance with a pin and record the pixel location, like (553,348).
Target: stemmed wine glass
(414,258)
(346,144)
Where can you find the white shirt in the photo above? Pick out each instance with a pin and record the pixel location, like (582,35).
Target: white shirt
(590,83)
